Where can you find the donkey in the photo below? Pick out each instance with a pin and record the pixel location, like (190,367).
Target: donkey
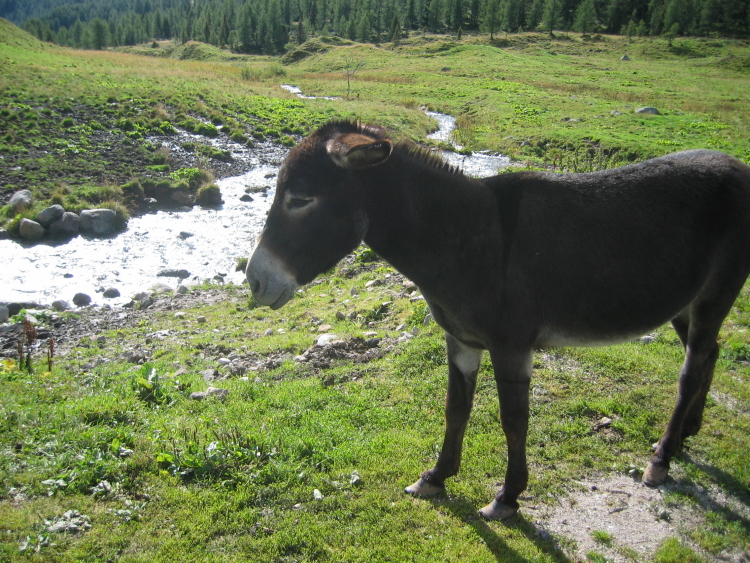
(521,261)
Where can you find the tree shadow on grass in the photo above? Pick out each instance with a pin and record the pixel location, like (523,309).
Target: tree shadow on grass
(465,511)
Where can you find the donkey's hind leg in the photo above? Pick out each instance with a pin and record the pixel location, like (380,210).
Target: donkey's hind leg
(706,313)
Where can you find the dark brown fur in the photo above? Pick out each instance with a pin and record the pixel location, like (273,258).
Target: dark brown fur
(528,259)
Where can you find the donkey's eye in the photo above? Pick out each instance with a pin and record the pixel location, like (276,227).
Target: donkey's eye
(298,202)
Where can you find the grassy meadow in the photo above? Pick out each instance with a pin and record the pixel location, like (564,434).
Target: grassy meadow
(307,461)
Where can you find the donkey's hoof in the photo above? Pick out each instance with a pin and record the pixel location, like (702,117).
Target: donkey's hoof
(424,489)
(497,511)
(655,475)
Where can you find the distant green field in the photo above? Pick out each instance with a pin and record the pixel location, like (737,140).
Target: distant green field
(306,462)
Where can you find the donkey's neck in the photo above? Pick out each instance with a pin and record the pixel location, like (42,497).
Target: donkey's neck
(424,217)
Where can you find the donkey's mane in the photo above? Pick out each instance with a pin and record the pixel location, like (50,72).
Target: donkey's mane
(407,148)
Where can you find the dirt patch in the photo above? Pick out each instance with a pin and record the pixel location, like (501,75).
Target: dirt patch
(621,519)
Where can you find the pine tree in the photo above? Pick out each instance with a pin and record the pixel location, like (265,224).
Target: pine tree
(434,16)
(534,15)
(491,18)
(458,14)
(395,35)
(364,27)
(98,33)
(585,16)
(552,13)
(301,33)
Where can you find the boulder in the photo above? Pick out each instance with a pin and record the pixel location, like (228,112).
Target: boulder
(66,227)
(4,313)
(48,216)
(648,111)
(111,293)
(182,198)
(100,222)
(173,273)
(21,200)
(81,300)
(60,305)
(30,230)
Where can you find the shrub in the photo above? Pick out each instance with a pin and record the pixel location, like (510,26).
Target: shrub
(121,214)
(67,122)
(132,188)
(195,177)
(209,195)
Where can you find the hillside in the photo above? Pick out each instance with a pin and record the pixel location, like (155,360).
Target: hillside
(14,36)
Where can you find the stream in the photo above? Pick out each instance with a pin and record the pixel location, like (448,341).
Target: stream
(205,242)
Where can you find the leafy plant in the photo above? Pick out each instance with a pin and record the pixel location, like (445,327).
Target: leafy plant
(149,386)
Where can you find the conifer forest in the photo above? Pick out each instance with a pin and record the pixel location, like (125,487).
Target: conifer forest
(274,26)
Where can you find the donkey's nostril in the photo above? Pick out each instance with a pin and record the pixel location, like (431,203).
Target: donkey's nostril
(254,285)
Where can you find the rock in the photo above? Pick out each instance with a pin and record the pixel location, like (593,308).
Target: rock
(145,303)
(269,332)
(340,315)
(174,273)
(161,288)
(21,200)
(201,319)
(354,292)
(48,216)
(60,305)
(373,283)
(181,290)
(326,339)
(4,313)
(81,300)
(427,319)
(182,198)
(111,292)
(4,234)
(141,295)
(209,374)
(624,58)
(220,394)
(615,112)
(30,230)
(67,276)
(99,222)
(179,315)
(648,111)
(185,234)
(66,227)
(324,328)
(604,422)
(246,197)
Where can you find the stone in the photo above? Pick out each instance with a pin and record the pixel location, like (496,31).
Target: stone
(4,313)
(81,300)
(99,222)
(246,198)
(373,283)
(174,273)
(49,215)
(324,328)
(66,227)
(161,288)
(111,293)
(201,319)
(220,394)
(4,234)
(181,290)
(427,319)
(326,339)
(60,305)
(647,111)
(30,230)
(268,332)
(615,112)
(185,234)
(340,315)
(624,58)
(21,200)
(182,198)
(354,292)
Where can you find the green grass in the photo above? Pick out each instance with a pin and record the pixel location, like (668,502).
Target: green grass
(236,479)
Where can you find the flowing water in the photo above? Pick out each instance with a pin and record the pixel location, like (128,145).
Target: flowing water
(205,242)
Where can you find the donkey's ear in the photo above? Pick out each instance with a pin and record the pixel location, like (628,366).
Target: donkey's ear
(354,151)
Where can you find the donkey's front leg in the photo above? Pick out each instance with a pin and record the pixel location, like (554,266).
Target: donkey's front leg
(463,364)
(512,375)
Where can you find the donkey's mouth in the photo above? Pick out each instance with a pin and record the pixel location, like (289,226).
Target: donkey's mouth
(285,296)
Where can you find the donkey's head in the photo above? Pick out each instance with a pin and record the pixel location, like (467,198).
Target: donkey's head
(317,216)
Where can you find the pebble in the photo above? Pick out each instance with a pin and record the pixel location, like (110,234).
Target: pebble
(269,332)
(324,328)
(201,319)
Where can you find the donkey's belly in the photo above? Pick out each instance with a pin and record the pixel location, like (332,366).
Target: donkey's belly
(557,339)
